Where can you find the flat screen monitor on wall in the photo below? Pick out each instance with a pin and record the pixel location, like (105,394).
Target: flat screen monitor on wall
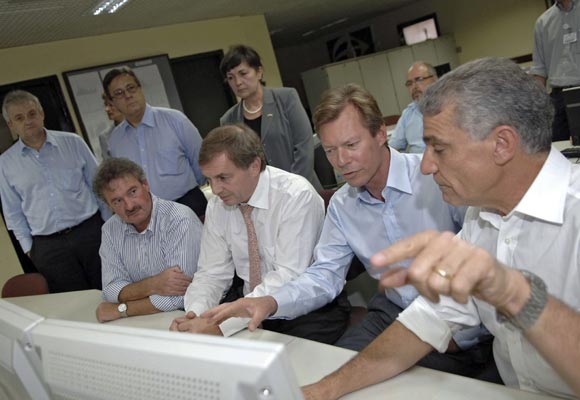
(78,360)
(419,30)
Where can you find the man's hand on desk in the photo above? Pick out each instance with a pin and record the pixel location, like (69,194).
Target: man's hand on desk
(194,324)
(256,308)
(171,282)
(316,392)
(108,312)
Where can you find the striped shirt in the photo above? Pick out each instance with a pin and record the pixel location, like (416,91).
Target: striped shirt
(172,238)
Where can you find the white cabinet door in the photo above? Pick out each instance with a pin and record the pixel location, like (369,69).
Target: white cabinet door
(400,60)
(425,51)
(376,74)
(343,73)
(446,51)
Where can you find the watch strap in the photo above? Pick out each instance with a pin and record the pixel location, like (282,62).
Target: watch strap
(533,308)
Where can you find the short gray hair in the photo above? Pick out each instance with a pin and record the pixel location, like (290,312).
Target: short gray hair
(18,97)
(115,168)
(490,92)
(430,68)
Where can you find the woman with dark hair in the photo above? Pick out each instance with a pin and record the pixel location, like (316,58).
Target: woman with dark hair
(275,114)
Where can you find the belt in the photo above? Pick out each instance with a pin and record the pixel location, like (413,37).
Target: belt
(68,230)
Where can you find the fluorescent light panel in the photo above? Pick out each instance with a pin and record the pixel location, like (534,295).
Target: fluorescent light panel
(109,6)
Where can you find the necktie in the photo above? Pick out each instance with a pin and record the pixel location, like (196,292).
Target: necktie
(253,250)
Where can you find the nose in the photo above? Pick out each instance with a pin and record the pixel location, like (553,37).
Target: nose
(215,187)
(428,166)
(342,157)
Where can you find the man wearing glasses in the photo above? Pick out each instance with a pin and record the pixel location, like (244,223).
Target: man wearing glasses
(162,141)
(408,134)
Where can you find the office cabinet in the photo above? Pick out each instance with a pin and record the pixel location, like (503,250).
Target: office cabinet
(382,74)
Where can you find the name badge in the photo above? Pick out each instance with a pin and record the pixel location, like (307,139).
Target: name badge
(571,37)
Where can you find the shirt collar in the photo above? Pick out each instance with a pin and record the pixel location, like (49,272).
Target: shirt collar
(148,118)
(573,2)
(130,229)
(398,178)
(261,194)
(49,139)
(545,199)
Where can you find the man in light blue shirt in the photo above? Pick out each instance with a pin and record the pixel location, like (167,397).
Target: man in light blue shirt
(385,200)
(149,248)
(162,141)
(408,134)
(45,186)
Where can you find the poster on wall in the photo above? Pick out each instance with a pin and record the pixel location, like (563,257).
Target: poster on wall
(350,45)
(85,89)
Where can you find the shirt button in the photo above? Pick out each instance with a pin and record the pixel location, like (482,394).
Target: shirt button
(507,241)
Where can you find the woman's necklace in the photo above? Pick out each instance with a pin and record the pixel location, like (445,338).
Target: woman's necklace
(257,110)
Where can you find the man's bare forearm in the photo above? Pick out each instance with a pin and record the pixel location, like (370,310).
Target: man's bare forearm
(138,290)
(394,351)
(556,337)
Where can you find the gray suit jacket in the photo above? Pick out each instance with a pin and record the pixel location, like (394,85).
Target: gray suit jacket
(286,132)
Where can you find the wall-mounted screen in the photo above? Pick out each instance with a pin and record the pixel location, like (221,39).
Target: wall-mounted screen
(419,30)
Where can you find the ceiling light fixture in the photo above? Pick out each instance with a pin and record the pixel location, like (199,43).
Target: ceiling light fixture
(109,6)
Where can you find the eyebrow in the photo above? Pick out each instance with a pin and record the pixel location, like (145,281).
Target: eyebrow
(433,140)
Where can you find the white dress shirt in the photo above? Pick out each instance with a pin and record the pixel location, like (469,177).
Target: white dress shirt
(542,235)
(288,215)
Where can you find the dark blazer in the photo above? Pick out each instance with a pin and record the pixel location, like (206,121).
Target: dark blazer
(286,132)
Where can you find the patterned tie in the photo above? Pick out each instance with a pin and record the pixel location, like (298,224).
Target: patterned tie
(253,250)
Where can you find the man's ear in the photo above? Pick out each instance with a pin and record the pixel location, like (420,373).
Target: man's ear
(506,144)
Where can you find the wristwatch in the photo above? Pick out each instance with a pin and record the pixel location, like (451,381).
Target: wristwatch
(122,308)
(531,311)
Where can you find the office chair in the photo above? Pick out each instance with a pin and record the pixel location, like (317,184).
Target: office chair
(391,119)
(25,285)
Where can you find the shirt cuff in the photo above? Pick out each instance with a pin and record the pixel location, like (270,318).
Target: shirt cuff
(286,308)
(424,322)
(166,303)
(233,325)
(26,244)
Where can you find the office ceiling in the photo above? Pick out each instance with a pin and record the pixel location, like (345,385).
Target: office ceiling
(26,22)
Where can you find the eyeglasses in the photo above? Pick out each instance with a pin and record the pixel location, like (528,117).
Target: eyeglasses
(120,93)
(419,79)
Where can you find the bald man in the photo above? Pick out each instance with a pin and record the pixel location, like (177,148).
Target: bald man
(408,135)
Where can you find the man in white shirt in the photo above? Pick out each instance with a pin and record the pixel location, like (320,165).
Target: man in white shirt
(408,134)
(286,215)
(487,129)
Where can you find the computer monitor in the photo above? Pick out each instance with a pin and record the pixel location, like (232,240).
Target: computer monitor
(18,373)
(78,360)
(572,100)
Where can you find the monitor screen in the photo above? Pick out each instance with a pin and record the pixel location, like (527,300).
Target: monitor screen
(98,361)
(419,30)
(572,100)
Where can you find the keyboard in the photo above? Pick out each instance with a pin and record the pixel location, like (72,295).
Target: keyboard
(571,152)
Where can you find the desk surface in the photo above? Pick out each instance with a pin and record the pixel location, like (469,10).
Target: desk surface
(418,382)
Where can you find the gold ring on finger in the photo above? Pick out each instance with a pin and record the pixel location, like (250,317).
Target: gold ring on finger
(442,273)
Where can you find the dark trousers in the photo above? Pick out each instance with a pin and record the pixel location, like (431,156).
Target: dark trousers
(560,128)
(476,362)
(324,325)
(194,199)
(70,260)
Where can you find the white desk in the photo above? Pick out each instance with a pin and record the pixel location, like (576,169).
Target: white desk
(310,360)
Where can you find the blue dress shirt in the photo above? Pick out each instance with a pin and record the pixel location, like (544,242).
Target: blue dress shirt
(166,145)
(358,224)
(49,190)
(172,238)
(409,130)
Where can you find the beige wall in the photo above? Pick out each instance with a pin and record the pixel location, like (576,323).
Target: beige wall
(480,27)
(28,62)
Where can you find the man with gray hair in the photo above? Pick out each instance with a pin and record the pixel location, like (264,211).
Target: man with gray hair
(408,134)
(515,265)
(45,186)
(149,247)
